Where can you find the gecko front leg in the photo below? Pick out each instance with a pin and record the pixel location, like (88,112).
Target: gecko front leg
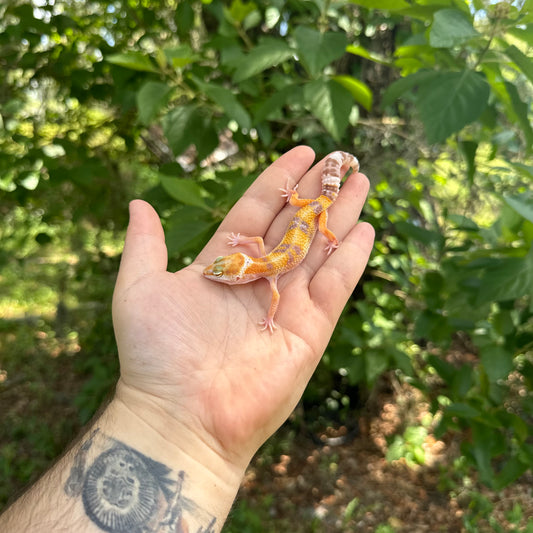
(234,239)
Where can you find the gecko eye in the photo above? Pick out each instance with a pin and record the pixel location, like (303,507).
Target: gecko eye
(218,271)
(218,259)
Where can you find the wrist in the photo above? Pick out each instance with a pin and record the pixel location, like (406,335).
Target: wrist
(125,475)
(207,479)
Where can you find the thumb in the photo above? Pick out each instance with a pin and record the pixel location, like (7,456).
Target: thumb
(144,248)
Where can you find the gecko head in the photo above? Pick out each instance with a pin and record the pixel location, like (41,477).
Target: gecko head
(228,269)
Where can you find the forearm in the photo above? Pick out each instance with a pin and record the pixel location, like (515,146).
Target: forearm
(123,476)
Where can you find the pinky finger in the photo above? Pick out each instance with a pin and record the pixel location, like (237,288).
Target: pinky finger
(336,279)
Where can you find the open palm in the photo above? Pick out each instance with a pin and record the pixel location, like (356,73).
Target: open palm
(194,347)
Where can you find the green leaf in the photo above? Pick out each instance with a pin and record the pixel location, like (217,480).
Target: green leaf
(521,110)
(263,56)
(239,10)
(184,190)
(227,100)
(431,325)
(202,132)
(360,91)
(423,235)
(481,446)
(367,54)
(506,279)
(462,381)
(331,104)
(376,362)
(450,28)
(448,101)
(152,96)
(462,410)
(524,33)
(522,204)
(317,49)
(176,128)
(468,149)
(274,103)
(522,169)
(186,125)
(497,361)
(184,18)
(421,12)
(179,56)
(524,63)
(185,226)
(133,61)
(510,472)
(398,88)
(462,222)
(386,5)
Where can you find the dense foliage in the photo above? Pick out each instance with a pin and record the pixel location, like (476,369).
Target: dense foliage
(185,102)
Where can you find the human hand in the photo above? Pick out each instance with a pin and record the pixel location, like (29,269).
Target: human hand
(194,362)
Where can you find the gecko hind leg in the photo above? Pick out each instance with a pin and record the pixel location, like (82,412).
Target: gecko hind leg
(333,242)
(268,321)
(292,196)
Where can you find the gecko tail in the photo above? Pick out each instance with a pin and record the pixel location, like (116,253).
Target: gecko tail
(331,176)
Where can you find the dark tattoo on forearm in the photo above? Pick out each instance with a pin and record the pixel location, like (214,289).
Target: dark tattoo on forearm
(124,491)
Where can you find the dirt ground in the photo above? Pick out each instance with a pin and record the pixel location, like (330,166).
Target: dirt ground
(352,487)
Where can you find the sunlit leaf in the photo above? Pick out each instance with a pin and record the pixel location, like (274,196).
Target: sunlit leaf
(179,56)
(132,61)
(367,54)
(239,10)
(524,33)
(524,63)
(359,90)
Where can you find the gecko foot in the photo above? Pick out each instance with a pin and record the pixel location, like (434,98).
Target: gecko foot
(268,323)
(287,191)
(234,239)
(332,245)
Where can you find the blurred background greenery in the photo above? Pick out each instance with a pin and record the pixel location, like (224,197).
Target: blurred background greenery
(183,103)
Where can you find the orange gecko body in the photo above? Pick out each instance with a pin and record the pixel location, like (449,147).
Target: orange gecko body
(241,268)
